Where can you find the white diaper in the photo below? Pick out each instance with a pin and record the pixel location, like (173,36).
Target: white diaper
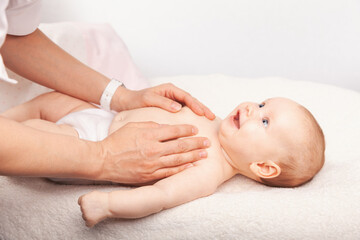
(92,124)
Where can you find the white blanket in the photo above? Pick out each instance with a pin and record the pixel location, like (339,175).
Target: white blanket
(326,208)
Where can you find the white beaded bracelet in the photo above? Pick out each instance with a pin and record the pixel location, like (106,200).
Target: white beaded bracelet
(108,93)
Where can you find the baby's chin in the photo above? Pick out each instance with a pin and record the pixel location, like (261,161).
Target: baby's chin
(223,131)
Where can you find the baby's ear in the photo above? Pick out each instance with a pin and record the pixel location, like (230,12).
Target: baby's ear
(267,169)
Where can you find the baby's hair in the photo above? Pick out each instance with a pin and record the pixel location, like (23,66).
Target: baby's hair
(304,161)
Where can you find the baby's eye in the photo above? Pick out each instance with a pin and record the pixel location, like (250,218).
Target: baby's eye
(265,122)
(261,105)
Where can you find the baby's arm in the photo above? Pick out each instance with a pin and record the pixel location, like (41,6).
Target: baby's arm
(194,182)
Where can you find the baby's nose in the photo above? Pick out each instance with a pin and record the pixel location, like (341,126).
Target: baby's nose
(249,110)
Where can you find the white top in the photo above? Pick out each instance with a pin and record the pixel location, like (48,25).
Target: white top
(17,17)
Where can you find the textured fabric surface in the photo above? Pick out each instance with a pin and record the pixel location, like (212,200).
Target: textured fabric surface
(328,207)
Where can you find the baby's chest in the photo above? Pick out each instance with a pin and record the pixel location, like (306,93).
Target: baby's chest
(185,116)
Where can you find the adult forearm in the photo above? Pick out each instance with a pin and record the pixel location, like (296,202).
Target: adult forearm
(25,151)
(37,58)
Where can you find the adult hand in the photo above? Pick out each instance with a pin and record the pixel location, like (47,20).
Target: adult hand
(143,152)
(165,96)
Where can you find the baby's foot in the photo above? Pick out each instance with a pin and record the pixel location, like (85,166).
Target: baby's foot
(94,207)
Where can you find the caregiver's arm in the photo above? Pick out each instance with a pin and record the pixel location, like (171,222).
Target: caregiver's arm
(37,58)
(135,153)
(25,151)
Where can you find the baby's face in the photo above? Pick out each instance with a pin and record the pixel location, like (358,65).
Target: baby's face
(260,131)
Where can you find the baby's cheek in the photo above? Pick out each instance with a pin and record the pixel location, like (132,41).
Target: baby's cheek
(250,128)
(251,135)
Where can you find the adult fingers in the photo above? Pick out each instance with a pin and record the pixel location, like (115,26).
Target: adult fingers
(165,103)
(184,97)
(195,105)
(184,145)
(143,125)
(176,160)
(169,132)
(206,111)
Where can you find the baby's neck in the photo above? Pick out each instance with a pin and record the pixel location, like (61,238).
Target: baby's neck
(230,162)
(228,166)
(235,168)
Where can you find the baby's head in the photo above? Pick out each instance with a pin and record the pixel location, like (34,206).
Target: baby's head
(278,142)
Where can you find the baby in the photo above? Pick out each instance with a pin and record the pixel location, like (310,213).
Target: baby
(277,142)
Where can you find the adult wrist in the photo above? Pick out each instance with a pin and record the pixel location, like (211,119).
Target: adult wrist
(92,161)
(100,172)
(119,100)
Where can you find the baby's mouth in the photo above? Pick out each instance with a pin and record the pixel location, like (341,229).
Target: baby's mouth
(237,119)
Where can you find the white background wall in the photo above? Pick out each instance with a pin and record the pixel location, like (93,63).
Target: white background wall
(315,40)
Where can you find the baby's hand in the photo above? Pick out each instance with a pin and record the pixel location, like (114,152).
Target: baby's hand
(94,207)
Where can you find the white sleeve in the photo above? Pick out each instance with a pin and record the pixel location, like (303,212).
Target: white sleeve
(23,16)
